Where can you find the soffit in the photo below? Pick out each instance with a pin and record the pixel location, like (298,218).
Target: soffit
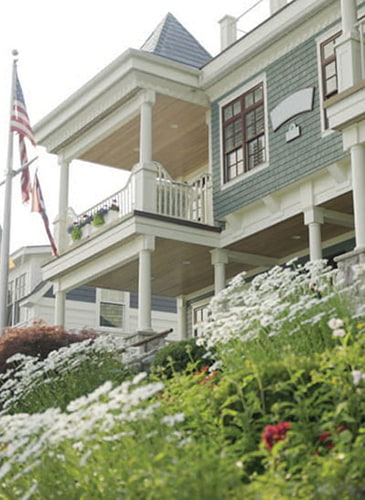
(180,139)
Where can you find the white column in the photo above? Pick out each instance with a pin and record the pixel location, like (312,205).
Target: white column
(63,203)
(358,192)
(348,47)
(313,218)
(349,15)
(60,307)
(219,261)
(145,170)
(228,30)
(181,317)
(144,284)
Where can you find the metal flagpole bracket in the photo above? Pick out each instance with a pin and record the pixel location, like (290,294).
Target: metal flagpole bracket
(19,170)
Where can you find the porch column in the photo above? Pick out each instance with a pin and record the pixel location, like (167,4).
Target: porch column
(145,170)
(61,219)
(60,306)
(358,192)
(348,47)
(219,261)
(181,317)
(144,284)
(313,218)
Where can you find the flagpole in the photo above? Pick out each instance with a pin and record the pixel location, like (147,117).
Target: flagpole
(5,240)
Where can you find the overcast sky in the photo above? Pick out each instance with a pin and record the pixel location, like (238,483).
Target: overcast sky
(61,46)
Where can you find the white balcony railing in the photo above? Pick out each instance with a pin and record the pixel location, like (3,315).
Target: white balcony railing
(182,200)
(188,201)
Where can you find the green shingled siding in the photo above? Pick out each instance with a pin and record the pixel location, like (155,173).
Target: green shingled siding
(291,161)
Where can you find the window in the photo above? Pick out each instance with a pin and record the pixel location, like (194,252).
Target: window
(16,291)
(111,309)
(200,315)
(329,67)
(244,133)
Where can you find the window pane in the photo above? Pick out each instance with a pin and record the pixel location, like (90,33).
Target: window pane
(227,112)
(329,49)
(331,85)
(229,144)
(249,100)
(330,69)
(111,315)
(258,94)
(229,130)
(237,107)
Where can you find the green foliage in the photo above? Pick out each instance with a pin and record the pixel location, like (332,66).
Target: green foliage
(98,220)
(177,356)
(200,434)
(76,233)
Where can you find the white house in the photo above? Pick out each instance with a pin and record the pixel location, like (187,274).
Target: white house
(32,299)
(238,162)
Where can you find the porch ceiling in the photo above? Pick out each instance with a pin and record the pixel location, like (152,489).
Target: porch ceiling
(181,268)
(291,236)
(177,269)
(180,139)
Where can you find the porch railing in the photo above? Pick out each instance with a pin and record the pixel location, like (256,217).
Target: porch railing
(122,202)
(188,201)
(183,200)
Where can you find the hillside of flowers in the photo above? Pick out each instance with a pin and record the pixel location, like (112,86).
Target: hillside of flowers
(274,409)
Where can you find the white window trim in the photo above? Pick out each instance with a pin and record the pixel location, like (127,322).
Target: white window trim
(197,305)
(319,40)
(231,97)
(121,303)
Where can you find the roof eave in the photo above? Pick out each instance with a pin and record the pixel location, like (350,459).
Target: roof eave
(131,60)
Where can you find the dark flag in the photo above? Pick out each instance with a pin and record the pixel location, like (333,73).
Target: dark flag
(39,206)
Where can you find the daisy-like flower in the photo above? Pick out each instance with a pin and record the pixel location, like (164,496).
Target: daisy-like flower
(335,323)
(339,332)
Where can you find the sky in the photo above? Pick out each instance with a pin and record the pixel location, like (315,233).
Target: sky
(61,46)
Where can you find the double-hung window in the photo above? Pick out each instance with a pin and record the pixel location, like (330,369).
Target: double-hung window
(244,133)
(111,309)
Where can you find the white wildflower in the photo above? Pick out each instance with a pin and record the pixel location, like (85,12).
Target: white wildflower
(171,420)
(335,323)
(357,376)
(339,332)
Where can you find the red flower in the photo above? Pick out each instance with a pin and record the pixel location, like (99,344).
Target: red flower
(324,437)
(274,433)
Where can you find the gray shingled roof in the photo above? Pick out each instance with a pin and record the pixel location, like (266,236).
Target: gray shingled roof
(171,40)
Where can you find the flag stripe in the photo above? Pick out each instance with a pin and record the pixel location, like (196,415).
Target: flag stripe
(19,122)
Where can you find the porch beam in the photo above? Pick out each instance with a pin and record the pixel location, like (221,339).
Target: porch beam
(252,259)
(338,218)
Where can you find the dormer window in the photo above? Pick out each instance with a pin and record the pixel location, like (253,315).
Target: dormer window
(244,133)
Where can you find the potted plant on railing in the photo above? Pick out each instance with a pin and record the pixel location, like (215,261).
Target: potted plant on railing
(75,231)
(98,218)
(80,228)
(112,213)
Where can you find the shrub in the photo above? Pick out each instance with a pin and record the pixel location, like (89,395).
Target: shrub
(177,356)
(37,340)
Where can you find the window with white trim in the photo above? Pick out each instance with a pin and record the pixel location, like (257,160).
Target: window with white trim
(111,309)
(243,130)
(16,291)
(200,316)
(329,67)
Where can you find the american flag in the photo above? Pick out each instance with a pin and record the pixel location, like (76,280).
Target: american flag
(38,205)
(20,123)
